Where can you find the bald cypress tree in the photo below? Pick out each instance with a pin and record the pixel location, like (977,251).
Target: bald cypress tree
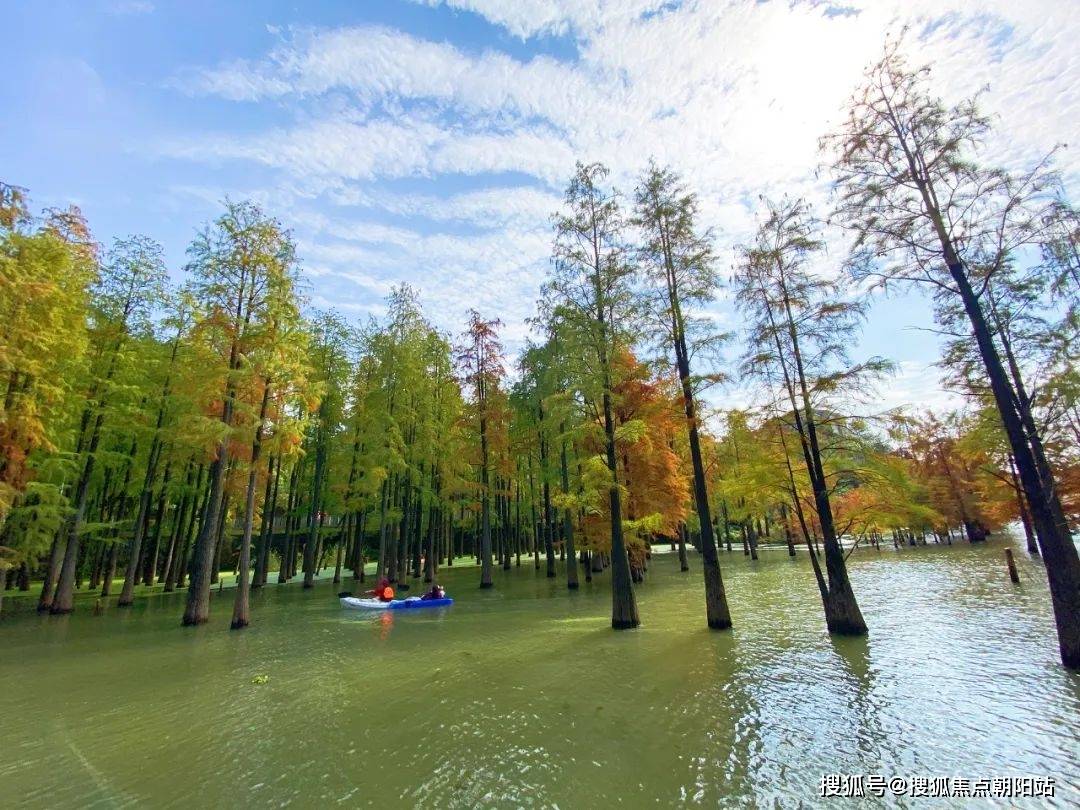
(480,358)
(130,286)
(678,261)
(237,265)
(924,211)
(801,322)
(591,284)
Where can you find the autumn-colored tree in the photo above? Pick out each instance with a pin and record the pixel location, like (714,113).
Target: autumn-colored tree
(44,281)
(592,285)
(655,487)
(238,265)
(678,259)
(801,325)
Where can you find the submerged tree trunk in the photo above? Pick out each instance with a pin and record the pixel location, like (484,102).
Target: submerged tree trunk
(127,594)
(787,531)
(548,517)
(311,547)
(197,610)
(1058,549)
(842,614)
(717,613)
(624,613)
(568,527)
(684,561)
(110,569)
(1021,505)
(48,584)
(150,561)
(63,600)
(242,605)
(266,525)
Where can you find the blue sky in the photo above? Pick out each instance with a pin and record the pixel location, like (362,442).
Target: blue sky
(428,140)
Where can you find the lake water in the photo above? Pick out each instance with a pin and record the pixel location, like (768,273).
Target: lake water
(523,696)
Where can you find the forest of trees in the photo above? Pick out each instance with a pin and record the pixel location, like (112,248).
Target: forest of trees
(159,434)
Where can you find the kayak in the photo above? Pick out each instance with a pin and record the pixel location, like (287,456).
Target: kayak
(412,603)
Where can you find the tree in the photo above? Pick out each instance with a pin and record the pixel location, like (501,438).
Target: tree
(44,281)
(238,265)
(801,324)
(591,283)
(923,211)
(480,358)
(330,342)
(278,362)
(679,263)
(181,326)
(131,284)
(44,298)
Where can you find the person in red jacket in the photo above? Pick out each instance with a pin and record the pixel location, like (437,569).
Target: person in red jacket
(382,591)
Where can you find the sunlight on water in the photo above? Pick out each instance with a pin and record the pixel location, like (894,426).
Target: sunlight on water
(522,696)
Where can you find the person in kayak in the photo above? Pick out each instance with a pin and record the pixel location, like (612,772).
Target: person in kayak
(382,591)
(436,592)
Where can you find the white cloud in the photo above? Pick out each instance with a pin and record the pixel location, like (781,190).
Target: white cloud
(734,94)
(919,387)
(409,146)
(486,207)
(375,64)
(526,18)
(497,272)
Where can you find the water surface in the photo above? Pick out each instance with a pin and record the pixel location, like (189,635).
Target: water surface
(522,695)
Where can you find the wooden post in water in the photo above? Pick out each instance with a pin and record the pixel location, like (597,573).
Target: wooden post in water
(1013,575)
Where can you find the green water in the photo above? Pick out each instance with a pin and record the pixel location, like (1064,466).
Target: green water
(522,695)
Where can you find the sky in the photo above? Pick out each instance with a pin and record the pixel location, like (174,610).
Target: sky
(429,141)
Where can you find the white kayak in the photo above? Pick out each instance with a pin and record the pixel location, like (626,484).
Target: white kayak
(364,604)
(356,603)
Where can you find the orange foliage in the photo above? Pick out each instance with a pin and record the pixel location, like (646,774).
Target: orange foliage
(650,471)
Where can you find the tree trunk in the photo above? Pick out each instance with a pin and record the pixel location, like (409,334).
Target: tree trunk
(624,613)
(52,570)
(568,525)
(717,614)
(242,604)
(64,599)
(266,525)
(842,614)
(1021,505)
(197,610)
(310,549)
(127,594)
(787,531)
(150,563)
(684,561)
(1058,549)
(110,569)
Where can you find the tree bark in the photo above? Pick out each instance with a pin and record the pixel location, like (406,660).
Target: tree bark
(310,548)
(242,604)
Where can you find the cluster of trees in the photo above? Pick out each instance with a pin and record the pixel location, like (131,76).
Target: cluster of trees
(168,433)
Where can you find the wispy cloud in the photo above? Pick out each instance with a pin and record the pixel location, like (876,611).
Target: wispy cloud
(733,94)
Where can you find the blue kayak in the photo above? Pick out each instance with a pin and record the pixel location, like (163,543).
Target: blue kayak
(416,602)
(412,603)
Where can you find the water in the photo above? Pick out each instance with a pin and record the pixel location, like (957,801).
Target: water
(522,695)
